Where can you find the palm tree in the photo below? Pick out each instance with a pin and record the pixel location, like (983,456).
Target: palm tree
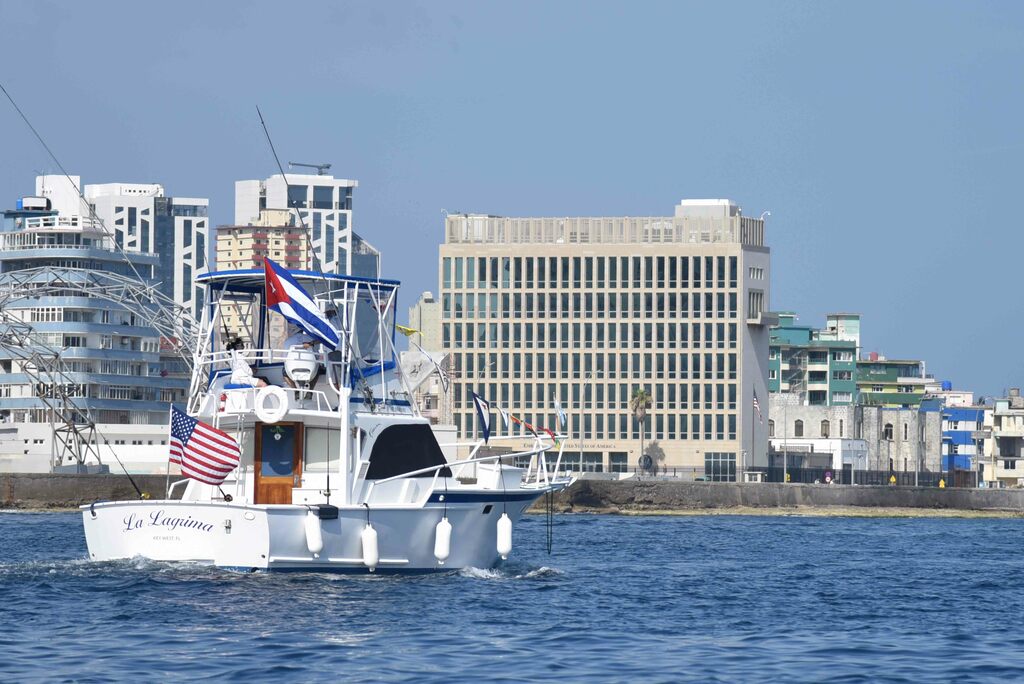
(638,404)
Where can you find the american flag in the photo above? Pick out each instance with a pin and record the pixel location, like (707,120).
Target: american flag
(203,452)
(757,407)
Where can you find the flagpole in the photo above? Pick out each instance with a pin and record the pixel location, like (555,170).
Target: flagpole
(167,483)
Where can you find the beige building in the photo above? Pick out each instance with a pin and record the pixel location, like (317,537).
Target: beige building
(1003,436)
(576,313)
(425,318)
(274,235)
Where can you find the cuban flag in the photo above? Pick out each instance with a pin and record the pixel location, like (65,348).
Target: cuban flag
(286,297)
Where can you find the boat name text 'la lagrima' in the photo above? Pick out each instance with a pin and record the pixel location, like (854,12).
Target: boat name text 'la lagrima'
(158,519)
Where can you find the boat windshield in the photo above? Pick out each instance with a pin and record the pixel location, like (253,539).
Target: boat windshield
(403,449)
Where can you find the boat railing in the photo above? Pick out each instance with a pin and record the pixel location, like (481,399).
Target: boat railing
(539,465)
(536,475)
(256,358)
(213,365)
(299,401)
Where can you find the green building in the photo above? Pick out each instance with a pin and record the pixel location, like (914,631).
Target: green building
(822,366)
(819,365)
(891,383)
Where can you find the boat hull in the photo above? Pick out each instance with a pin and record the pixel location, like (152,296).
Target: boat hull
(279,537)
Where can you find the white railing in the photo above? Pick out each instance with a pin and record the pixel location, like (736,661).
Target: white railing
(536,475)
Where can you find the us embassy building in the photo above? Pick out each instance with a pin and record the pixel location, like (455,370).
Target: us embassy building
(559,320)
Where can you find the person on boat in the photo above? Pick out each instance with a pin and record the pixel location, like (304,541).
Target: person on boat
(241,371)
(298,337)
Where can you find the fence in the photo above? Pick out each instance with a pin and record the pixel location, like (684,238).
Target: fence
(846,476)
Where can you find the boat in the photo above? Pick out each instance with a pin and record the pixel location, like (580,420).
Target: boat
(337,470)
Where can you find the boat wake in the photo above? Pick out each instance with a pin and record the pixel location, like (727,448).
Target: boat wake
(509,573)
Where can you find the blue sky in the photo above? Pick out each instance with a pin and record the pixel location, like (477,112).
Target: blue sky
(885,138)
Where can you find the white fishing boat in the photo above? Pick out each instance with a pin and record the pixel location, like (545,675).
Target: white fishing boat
(337,470)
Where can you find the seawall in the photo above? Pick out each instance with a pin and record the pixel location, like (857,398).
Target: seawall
(41,490)
(639,496)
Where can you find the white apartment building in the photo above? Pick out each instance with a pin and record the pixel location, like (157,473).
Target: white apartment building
(143,219)
(324,204)
(576,313)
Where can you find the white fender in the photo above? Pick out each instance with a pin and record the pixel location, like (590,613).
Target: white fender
(368,537)
(442,540)
(504,536)
(271,404)
(314,535)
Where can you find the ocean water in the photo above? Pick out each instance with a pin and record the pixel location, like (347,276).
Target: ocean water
(716,598)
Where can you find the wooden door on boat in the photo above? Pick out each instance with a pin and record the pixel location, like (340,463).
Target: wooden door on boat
(278,462)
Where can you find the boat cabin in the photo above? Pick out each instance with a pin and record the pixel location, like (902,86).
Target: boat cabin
(315,425)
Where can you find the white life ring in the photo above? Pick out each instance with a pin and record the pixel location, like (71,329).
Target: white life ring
(271,404)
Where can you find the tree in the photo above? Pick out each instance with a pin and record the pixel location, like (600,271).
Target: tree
(638,404)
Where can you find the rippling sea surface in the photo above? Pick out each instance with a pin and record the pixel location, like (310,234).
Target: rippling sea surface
(717,598)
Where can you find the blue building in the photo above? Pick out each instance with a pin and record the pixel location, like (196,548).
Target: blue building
(960,444)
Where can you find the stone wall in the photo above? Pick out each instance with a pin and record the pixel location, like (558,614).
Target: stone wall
(923,429)
(38,490)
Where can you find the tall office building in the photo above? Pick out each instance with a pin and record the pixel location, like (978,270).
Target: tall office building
(143,219)
(582,311)
(324,205)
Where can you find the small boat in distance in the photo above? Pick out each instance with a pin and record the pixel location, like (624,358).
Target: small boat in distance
(336,469)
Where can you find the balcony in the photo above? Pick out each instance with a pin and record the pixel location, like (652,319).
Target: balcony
(764,318)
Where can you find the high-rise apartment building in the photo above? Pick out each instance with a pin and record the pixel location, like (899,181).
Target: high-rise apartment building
(272,235)
(324,205)
(577,313)
(142,219)
(115,367)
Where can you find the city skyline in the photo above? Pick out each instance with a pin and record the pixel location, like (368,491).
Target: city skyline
(885,185)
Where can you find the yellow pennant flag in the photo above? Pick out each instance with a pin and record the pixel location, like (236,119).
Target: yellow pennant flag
(408,332)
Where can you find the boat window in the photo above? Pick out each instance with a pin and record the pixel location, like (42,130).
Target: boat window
(404,448)
(321,444)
